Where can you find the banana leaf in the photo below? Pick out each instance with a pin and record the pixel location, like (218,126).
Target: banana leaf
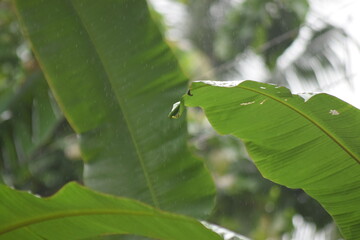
(114,78)
(311,144)
(76,212)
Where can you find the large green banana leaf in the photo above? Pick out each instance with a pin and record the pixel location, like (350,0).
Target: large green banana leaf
(313,145)
(115,78)
(76,212)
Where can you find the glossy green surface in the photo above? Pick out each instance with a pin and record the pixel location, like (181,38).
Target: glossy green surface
(76,212)
(313,145)
(115,80)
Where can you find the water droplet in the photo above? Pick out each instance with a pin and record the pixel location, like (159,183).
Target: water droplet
(263,87)
(263,101)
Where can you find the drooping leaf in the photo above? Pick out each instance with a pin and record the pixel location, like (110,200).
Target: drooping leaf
(76,212)
(313,145)
(114,78)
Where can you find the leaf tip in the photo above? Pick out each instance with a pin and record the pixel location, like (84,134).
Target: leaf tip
(177,110)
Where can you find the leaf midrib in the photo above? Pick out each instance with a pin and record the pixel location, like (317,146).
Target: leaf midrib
(84,212)
(307,117)
(122,108)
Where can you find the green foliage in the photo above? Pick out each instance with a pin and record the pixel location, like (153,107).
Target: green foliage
(311,145)
(117,99)
(11,70)
(257,24)
(77,213)
(115,79)
(223,30)
(246,202)
(30,159)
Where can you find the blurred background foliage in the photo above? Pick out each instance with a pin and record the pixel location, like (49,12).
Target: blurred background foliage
(38,147)
(222,40)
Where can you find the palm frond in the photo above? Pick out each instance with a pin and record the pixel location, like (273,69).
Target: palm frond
(323,61)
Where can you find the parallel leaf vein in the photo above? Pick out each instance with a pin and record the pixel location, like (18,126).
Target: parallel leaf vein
(122,107)
(84,212)
(307,117)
